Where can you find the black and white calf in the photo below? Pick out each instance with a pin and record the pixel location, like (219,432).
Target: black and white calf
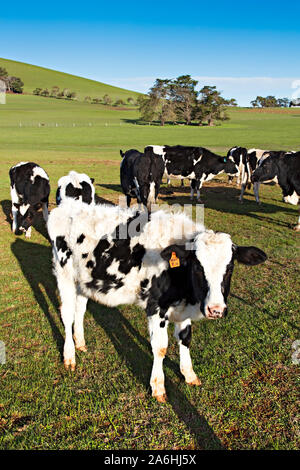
(286,168)
(78,186)
(198,164)
(29,189)
(141,176)
(239,155)
(172,267)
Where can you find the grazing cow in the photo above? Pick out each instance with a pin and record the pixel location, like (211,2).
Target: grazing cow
(29,189)
(165,263)
(141,176)
(198,164)
(254,157)
(286,168)
(239,155)
(78,186)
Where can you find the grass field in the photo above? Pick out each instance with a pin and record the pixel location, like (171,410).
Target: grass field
(249,397)
(40,77)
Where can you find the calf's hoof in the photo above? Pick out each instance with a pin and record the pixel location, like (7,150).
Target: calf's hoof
(195,381)
(69,364)
(82,348)
(161,398)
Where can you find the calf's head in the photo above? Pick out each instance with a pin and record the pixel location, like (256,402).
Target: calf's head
(25,216)
(208,267)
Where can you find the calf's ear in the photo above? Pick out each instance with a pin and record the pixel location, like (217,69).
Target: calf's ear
(175,252)
(249,255)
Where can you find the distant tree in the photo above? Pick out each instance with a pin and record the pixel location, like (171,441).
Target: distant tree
(87,98)
(96,100)
(211,106)
(54,91)
(283,102)
(70,95)
(265,102)
(45,92)
(14,84)
(37,91)
(61,94)
(130,100)
(107,99)
(119,102)
(232,102)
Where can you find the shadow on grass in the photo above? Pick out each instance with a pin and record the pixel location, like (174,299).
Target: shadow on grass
(112,187)
(135,351)
(225,199)
(39,223)
(35,261)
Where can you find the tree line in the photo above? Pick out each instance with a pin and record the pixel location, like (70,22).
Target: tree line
(176,100)
(270,102)
(55,92)
(13,84)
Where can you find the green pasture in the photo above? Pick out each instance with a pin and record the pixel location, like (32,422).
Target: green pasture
(249,395)
(41,77)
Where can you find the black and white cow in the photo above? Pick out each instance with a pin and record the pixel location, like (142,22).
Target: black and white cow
(167,264)
(239,155)
(141,176)
(286,168)
(198,164)
(254,158)
(78,186)
(29,189)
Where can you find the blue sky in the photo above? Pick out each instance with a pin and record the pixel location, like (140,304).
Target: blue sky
(245,48)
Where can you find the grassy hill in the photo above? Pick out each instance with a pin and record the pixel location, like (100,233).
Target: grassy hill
(34,76)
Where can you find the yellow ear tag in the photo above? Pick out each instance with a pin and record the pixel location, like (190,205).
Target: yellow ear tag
(174,261)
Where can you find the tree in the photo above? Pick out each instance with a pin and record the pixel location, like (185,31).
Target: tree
(54,91)
(37,91)
(148,112)
(107,99)
(283,102)
(87,99)
(184,97)
(14,84)
(130,100)
(45,92)
(119,102)
(211,106)
(70,95)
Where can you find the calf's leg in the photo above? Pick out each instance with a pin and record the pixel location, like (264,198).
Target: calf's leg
(68,296)
(183,334)
(158,330)
(14,209)
(81,302)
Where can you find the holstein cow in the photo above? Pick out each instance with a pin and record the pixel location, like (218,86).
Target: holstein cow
(198,164)
(29,189)
(239,155)
(254,159)
(172,267)
(78,186)
(141,176)
(286,168)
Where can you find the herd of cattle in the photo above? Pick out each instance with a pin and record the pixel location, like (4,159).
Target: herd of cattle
(173,267)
